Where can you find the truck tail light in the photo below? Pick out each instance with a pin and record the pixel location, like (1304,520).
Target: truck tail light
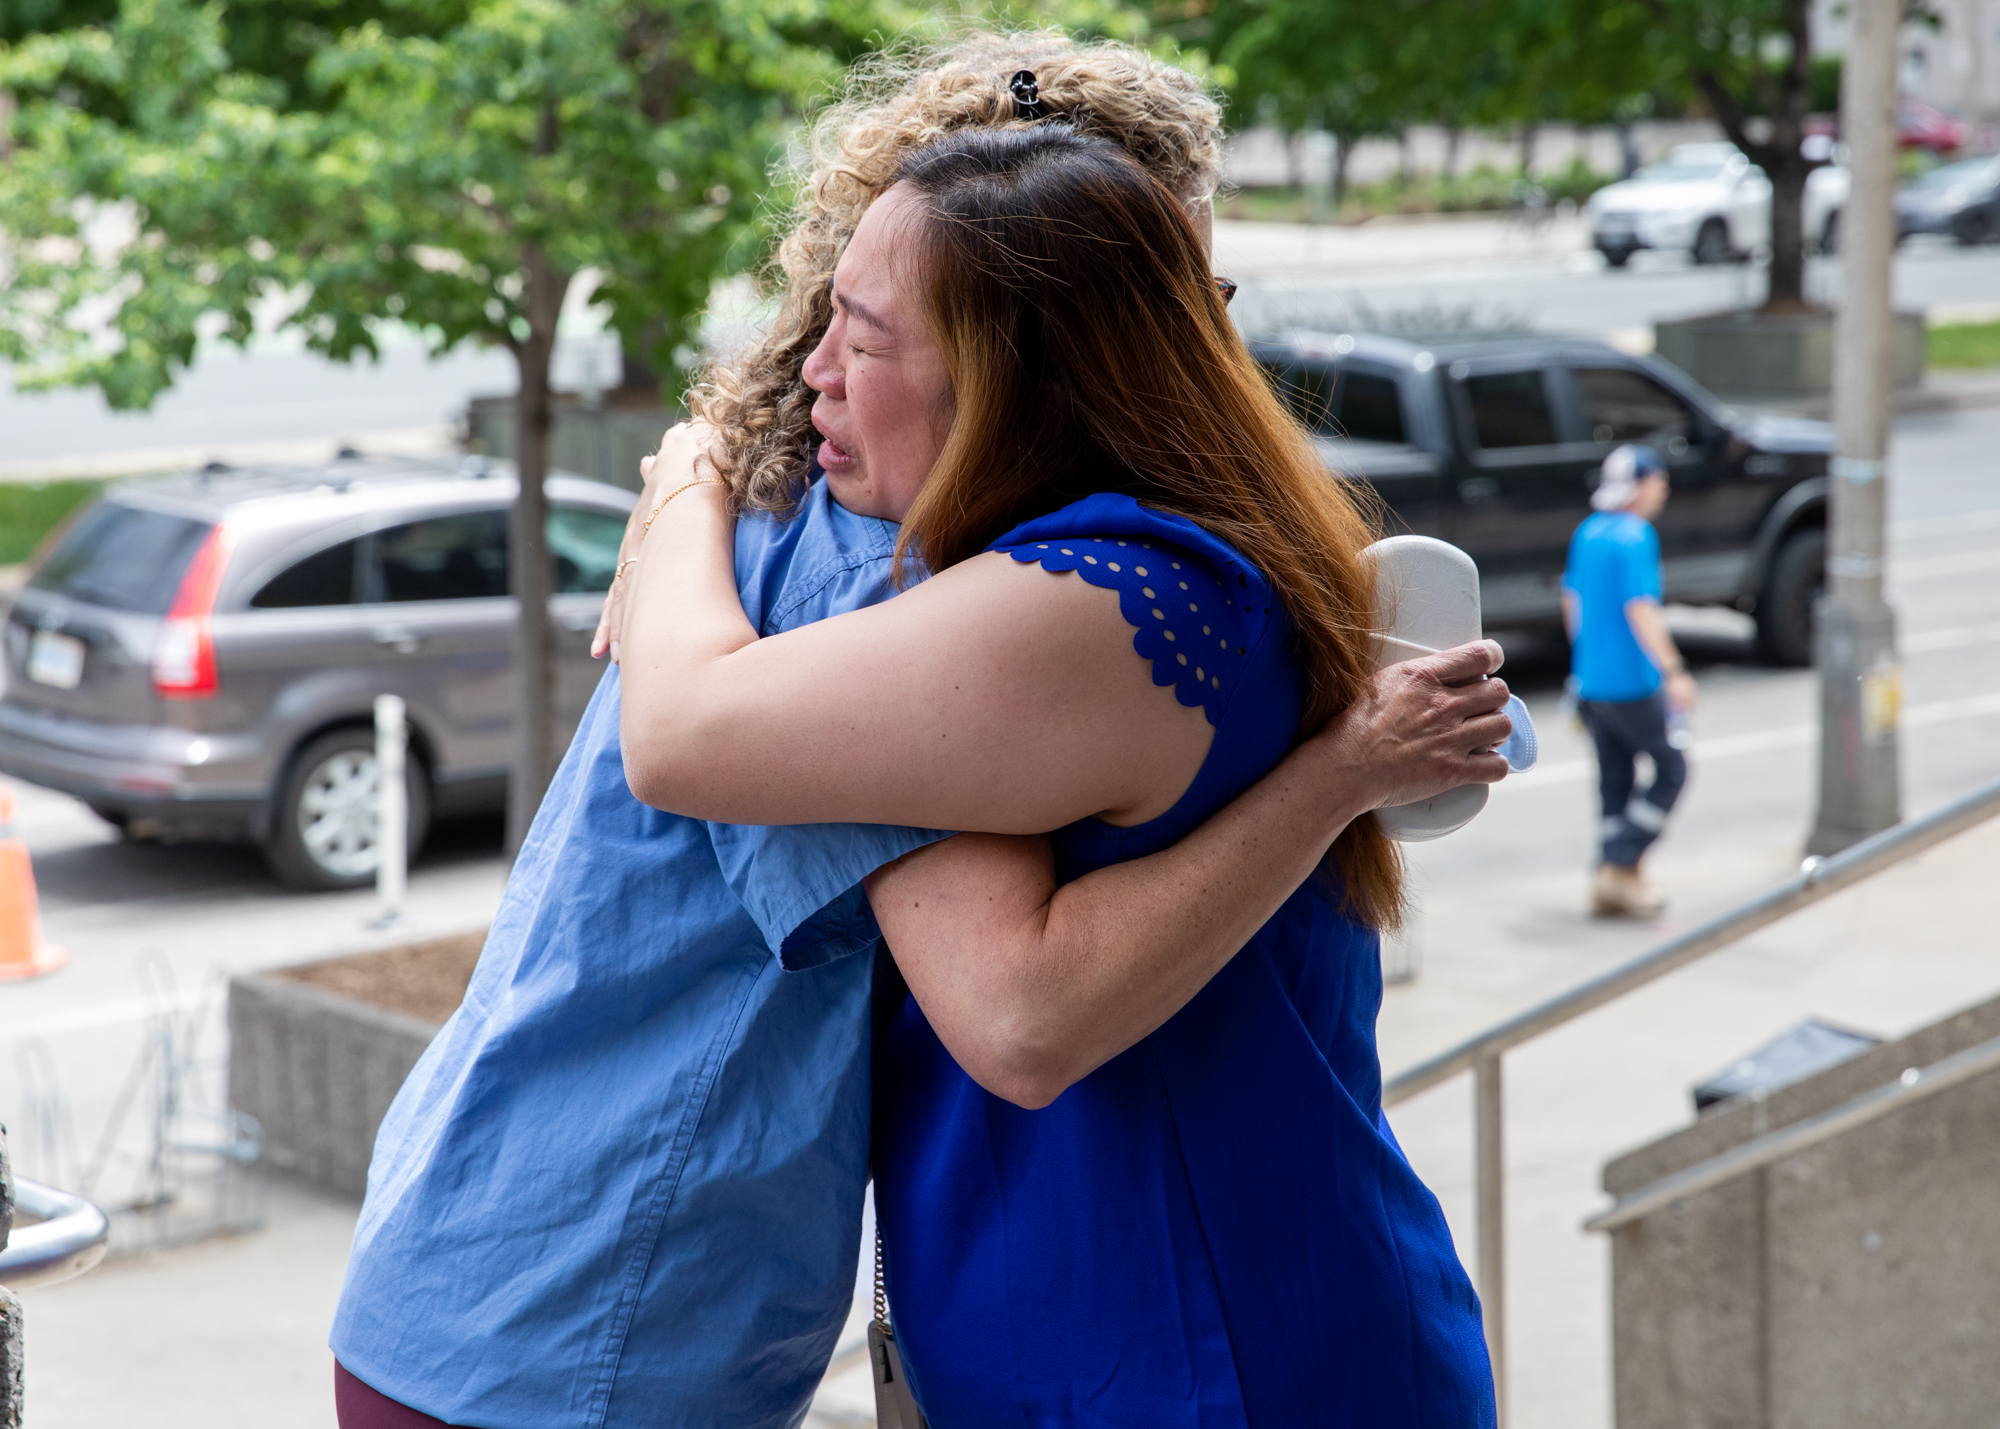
(184,650)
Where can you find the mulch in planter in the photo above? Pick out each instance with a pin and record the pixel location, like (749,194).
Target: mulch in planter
(426,980)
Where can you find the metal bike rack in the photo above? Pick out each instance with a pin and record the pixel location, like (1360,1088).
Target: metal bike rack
(1481,1055)
(69,1238)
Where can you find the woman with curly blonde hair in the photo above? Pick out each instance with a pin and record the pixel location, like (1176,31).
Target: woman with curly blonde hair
(624,1184)
(755,399)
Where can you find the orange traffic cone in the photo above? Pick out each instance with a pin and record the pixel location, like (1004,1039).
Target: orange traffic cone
(23,954)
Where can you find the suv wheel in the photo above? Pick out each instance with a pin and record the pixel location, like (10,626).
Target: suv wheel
(323,835)
(1829,235)
(1711,244)
(1785,612)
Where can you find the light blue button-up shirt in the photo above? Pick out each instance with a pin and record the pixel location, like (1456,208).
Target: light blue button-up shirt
(624,1184)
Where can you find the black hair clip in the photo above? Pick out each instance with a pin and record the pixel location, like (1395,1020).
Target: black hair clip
(1027,95)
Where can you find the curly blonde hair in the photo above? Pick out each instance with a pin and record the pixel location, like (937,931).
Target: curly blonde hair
(893,104)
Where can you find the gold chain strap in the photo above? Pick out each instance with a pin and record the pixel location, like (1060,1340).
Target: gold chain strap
(881,1290)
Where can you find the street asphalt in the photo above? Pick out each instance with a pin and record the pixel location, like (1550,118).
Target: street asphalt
(231,1332)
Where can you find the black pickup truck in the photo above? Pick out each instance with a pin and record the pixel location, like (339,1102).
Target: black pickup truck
(1494,443)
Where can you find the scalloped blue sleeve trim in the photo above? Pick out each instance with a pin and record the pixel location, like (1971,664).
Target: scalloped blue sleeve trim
(1196,626)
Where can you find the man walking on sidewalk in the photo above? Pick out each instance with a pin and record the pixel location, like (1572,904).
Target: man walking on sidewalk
(1628,673)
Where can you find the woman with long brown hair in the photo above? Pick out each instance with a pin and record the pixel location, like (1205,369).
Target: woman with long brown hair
(1126,1194)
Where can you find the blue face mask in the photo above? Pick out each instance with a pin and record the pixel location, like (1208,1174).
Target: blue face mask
(1520,747)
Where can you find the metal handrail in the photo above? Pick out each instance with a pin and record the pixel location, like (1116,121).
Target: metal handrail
(1481,1055)
(1914,1085)
(70,1238)
(1820,878)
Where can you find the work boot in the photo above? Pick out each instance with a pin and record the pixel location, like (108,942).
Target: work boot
(1622,893)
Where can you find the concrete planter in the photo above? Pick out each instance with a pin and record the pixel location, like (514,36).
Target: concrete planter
(318,1052)
(1852,1285)
(1743,354)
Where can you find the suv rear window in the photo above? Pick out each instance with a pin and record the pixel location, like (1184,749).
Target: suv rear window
(584,546)
(1510,409)
(445,558)
(326,578)
(123,557)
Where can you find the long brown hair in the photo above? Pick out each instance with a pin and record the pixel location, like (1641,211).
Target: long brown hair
(893,103)
(1088,350)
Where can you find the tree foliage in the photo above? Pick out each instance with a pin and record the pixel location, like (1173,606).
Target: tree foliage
(1513,62)
(402,172)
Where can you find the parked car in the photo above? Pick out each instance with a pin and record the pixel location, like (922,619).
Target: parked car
(1961,199)
(1494,445)
(1708,201)
(1923,126)
(198,655)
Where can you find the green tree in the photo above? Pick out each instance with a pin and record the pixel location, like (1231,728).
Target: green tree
(173,177)
(1742,60)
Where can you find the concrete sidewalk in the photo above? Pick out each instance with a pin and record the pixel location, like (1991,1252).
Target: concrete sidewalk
(230,1334)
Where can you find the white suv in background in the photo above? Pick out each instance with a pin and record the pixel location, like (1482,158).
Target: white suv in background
(1706,200)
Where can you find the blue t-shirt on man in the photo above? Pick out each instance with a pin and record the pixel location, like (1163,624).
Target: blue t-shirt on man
(1614,557)
(623,1186)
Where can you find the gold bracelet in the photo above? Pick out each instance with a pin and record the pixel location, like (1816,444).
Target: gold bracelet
(698,481)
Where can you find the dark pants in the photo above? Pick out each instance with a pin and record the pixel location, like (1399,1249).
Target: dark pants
(1623,731)
(358,1406)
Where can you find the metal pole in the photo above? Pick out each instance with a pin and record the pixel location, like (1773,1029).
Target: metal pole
(393,816)
(1861,681)
(1490,1189)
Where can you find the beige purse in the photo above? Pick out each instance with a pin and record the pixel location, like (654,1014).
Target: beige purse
(895,1406)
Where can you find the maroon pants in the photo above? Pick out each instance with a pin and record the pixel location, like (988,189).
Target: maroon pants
(359,1407)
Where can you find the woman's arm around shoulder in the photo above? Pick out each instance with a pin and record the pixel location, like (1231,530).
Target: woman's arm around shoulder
(1031,985)
(995,696)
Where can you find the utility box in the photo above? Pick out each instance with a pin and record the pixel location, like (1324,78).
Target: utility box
(1851,1286)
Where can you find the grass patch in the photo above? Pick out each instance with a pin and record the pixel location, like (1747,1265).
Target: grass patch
(29,510)
(1963,345)
(1484,190)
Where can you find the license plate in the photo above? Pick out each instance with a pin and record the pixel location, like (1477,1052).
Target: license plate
(55,659)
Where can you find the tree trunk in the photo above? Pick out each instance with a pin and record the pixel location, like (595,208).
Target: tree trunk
(1788,167)
(1788,103)
(1628,152)
(1343,150)
(1452,135)
(528,553)
(1528,135)
(1787,290)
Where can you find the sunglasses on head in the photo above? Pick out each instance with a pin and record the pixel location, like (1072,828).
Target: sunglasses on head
(1226,287)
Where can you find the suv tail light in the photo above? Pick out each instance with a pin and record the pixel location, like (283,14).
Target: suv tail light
(184,650)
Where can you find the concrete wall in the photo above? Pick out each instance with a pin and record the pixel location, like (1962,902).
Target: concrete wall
(605,444)
(1855,1284)
(318,1071)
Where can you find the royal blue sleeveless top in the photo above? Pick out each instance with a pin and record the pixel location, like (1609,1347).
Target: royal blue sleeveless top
(1215,1228)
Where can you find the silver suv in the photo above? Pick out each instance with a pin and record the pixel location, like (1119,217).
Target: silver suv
(199,654)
